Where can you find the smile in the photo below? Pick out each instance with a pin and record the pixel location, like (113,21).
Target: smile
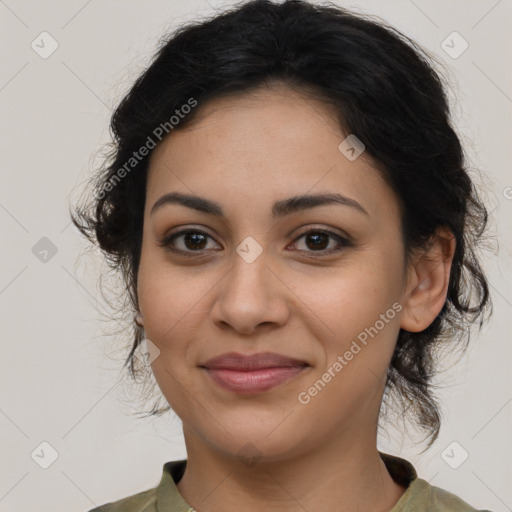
(252,373)
(253,381)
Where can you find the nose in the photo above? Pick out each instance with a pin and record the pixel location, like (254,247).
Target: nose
(251,297)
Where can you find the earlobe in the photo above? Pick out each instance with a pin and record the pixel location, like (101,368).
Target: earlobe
(429,275)
(139,320)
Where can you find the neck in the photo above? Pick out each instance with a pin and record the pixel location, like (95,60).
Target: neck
(338,476)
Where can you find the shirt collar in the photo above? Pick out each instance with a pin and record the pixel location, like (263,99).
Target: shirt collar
(169,497)
(401,470)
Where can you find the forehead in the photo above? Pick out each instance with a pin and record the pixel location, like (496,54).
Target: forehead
(263,146)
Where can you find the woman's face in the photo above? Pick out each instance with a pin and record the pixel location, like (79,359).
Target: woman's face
(251,279)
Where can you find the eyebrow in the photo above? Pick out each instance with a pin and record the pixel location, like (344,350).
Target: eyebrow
(279,209)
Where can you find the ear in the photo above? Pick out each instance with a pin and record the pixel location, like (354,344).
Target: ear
(428,277)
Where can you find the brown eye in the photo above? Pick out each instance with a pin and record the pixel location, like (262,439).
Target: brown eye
(187,242)
(319,241)
(194,241)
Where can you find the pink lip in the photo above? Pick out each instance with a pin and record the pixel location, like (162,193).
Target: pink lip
(252,374)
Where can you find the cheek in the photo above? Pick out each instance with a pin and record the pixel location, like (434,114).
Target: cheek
(174,302)
(358,329)
(167,304)
(164,299)
(359,315)
(352,297)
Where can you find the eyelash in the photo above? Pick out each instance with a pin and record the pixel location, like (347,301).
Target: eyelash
(167,242)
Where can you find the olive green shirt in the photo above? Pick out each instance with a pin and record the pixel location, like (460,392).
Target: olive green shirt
(419,496)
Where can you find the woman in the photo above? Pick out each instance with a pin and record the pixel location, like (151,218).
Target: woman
(288,205)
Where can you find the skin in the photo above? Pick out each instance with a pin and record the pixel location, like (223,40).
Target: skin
(245,152)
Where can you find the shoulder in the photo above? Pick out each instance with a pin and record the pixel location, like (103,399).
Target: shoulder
(421,496)
(144,501)
(165,496)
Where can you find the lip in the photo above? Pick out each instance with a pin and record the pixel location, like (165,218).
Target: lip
(255,373)
(241,362)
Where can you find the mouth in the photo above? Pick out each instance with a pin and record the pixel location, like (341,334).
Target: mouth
(254,373)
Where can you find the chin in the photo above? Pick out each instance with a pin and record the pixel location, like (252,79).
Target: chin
(254,442)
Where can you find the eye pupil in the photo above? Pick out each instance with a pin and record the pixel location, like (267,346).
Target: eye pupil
(319,241)
(196,239)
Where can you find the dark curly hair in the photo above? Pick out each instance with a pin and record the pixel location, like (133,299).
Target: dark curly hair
(380,84)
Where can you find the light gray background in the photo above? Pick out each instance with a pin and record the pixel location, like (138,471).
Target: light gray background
(59,376)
